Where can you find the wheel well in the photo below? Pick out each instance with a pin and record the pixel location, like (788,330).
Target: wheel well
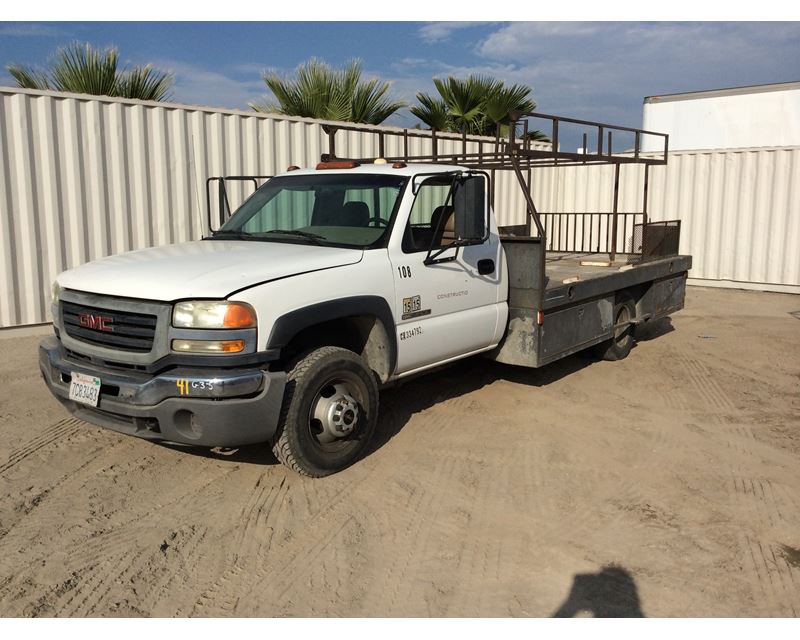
(636,293)
(365,335)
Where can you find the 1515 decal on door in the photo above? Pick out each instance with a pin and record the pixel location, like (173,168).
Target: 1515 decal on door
(412,308)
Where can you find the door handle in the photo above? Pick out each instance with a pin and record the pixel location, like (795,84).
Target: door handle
(485,267)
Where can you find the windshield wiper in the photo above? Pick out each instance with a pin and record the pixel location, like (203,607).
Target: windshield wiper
(233,234)
(302,234)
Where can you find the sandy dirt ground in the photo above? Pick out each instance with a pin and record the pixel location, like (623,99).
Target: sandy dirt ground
(667,484)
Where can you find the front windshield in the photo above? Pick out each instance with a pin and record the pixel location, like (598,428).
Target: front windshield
(337,209)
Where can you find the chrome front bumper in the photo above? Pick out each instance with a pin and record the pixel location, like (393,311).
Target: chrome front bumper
(199,406)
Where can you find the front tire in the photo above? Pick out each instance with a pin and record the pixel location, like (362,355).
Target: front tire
(329,412)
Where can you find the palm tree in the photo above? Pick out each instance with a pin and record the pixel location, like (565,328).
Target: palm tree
(80,68)
(474,105)
(320,91)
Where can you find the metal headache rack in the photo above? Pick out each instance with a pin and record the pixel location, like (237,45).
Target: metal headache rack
(516,147)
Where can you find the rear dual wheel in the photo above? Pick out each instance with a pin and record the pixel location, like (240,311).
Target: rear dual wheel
(621,344)
(329,412)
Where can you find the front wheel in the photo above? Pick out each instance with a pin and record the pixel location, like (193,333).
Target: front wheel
(329,412)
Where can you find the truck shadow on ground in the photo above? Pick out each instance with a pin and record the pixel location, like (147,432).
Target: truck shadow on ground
(260,454)
(400,402)
(609,593)
(652,330)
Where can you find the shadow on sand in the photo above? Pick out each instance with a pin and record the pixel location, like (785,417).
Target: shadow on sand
(609,593)
(400,402)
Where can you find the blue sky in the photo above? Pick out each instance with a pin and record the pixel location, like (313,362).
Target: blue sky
(595,70)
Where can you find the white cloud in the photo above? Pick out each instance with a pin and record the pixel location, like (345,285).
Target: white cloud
(199,86)
(411,62)
(439,31)
(528,38)
(602,71)
(34,29)
(251,68)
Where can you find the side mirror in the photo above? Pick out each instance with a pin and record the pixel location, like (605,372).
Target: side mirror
(469,208)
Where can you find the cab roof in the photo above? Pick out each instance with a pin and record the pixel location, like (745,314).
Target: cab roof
(411,169)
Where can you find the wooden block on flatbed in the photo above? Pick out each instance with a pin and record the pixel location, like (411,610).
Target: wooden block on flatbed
(595,263)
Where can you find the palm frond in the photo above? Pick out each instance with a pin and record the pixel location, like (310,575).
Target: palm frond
(476,104)
(432,111)
(463,100)
(144,83)
(537,136)
(321,91)
(28,78)
(500,102)
(80,68)
(370,102)
(264,107)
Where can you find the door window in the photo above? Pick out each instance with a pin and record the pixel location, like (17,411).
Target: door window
(430,222)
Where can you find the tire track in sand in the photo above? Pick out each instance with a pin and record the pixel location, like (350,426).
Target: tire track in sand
(58,431)
(774,574)
(124,534)
(395,585)
(187,548)
(759,496)
(289,561)
(705,385)
(478,571)
(239,580)
(127,570)
(256,532)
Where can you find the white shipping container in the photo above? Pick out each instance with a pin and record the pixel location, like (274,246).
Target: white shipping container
(757,116)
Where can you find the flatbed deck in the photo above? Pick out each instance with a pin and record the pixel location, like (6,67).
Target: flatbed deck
(567,280)
(562,266)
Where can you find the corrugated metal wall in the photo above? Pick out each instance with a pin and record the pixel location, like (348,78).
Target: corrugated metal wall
(739,209)
(82,178)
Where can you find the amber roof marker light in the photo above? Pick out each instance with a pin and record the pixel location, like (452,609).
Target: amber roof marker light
(338,164)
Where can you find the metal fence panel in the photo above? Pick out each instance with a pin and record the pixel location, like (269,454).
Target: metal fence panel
(740,209)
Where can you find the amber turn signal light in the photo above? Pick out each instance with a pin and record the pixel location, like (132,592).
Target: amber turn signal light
(208,346)
(239,316)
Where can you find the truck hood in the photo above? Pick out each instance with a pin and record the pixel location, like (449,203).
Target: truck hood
(201,269)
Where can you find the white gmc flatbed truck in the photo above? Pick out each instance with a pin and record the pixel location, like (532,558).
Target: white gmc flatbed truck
(325,285)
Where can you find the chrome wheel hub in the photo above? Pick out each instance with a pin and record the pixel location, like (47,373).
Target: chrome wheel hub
(335,413)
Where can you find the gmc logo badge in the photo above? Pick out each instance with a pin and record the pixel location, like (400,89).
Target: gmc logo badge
(98,323)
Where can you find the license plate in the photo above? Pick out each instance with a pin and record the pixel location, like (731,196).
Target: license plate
(84,389)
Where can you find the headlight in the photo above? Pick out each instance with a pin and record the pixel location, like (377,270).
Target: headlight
(213,314)
(55,292)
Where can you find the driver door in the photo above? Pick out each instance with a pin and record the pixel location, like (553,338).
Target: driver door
(447,308)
